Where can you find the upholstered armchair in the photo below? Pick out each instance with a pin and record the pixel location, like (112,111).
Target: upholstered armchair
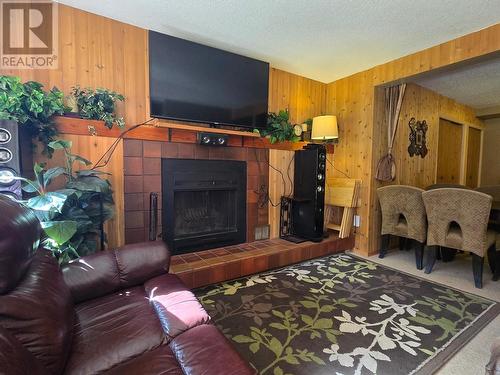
(493,190)
(442,186)
(458,219)
(493,366)
(403,215)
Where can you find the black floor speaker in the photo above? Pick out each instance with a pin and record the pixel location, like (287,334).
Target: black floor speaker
(16,157)
(309,192)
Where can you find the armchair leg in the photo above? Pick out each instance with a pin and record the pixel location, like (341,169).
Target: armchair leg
(403,243)
(492,258)
(494,261)
(419,255)
(384,245)
(448,254)
(409,244)
(431,258)
(477,269)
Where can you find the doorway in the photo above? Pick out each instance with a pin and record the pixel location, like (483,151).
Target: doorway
(473,157)
(449,152)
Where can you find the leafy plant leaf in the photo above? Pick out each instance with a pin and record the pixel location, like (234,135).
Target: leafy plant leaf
(60,144)
(52,201)
(52,173)
(59,231)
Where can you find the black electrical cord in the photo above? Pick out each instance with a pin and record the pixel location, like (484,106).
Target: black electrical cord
(263,191)
(280,172)
(264,197)
(338,170)
(106,157)
(288,174)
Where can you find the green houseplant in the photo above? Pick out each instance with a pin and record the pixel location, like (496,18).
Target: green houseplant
(98,104)
(71,216)
(32,107)
(279,128)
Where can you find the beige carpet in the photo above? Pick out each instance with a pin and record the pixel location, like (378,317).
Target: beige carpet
(472,358)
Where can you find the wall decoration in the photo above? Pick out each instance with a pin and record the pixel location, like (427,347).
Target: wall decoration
(418,129)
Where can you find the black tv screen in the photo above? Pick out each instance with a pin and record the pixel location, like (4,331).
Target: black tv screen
(193,82)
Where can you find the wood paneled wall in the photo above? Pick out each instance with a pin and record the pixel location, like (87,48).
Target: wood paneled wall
(356,100)
(95,51)
(304,98)
(424,104)
(490,163)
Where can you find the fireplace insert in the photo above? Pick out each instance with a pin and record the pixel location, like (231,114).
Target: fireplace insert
(203,203)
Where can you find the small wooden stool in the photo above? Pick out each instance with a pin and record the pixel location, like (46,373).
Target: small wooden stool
(341,194)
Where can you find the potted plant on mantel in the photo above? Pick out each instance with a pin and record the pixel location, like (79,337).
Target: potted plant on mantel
(279,128)
(32,108)
(98,104)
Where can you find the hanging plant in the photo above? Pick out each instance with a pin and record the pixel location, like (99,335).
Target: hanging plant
(279,128)
(32,107)
(98,104)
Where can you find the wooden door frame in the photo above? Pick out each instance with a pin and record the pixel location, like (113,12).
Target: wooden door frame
(464,147)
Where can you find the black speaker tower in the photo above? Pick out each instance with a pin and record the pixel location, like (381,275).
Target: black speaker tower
(309,192)
(16,157)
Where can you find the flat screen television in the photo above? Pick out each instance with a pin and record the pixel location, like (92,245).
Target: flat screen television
(197,83)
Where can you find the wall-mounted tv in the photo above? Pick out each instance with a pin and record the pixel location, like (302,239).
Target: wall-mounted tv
(197,83)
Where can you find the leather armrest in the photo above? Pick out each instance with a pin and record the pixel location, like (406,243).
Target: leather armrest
(15,358)
(108,271)
(205,350)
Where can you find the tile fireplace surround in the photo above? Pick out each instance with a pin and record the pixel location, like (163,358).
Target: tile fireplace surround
(142,164)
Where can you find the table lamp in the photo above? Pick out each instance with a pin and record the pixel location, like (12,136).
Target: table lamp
(324,128)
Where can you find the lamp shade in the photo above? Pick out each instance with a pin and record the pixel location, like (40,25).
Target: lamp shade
(325,128)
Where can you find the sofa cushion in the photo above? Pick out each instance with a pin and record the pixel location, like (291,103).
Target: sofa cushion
(155,362)
(15,359)
(176,306)
(203,350)
(111,330)
(109,271)
(39,312)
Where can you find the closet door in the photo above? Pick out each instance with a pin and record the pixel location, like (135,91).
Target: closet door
(449,152)
(473,157)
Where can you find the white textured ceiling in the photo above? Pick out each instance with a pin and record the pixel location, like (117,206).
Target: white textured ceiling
(475,84)
(320,39)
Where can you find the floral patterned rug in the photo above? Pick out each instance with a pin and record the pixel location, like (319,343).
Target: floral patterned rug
(344,315)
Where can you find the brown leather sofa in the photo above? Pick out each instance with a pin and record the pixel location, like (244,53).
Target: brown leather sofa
(115,312)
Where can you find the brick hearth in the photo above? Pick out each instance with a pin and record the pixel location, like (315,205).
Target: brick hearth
(226,263)
(142,164)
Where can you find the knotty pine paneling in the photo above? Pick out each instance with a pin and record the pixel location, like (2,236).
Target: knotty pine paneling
(449,152)
(424,104)
(304,98)
(358,103)
(95,51)
(361,122)
(351,100)
(473,164)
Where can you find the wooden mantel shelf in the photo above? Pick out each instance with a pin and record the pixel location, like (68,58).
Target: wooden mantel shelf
(171,132)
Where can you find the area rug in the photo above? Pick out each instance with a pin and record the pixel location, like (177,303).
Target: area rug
(344,315)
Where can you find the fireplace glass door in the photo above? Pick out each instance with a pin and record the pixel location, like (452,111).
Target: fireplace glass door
(202,213)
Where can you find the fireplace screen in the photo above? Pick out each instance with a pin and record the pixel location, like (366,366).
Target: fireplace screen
(200,213)
(203,203)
